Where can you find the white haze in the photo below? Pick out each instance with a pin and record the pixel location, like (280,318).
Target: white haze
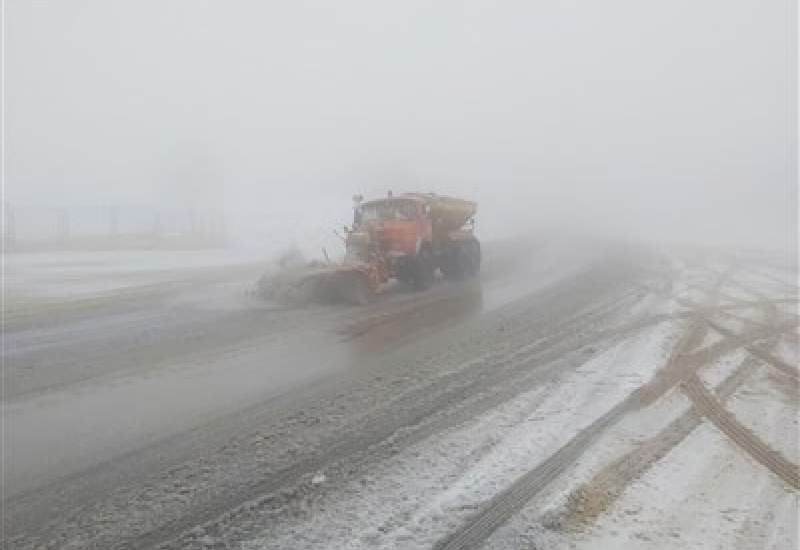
(657,120)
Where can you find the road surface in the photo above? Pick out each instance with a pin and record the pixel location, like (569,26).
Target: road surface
(577,396)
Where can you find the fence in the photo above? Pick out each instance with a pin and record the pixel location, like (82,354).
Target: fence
(113,226)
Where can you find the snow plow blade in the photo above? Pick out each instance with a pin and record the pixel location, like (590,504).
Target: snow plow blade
(340,285)
(327,284)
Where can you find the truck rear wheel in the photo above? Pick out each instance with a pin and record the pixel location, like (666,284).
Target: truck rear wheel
(463,260)
(472,257)
(422,269)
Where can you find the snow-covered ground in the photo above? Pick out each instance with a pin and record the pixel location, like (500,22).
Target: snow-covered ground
(697,497)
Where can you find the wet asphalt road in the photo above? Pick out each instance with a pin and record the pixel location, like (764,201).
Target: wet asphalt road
(110,387)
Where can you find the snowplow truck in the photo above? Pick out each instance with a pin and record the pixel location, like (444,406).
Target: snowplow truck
(406,237)
(410,236)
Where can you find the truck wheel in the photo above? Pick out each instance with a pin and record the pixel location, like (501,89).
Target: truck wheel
(463,260)
(453,268)
(423,269)
(471,254)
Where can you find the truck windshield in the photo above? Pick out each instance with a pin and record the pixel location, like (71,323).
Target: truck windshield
(389,210)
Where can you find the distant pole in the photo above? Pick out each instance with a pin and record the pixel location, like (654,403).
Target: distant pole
(222,227)
(9,226)
(192,221)
(63,225)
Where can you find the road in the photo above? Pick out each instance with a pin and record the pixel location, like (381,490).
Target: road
(577,395)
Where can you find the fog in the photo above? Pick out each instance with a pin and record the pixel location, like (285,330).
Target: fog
(667,121)
(190,358)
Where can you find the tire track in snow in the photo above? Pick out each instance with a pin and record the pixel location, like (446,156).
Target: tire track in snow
(712,409)
(681,366)
(761,353)
(505,504)
(592,498)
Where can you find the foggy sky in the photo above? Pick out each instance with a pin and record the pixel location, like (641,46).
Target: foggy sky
(667,120)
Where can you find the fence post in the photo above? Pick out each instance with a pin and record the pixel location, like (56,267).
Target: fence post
(113,220)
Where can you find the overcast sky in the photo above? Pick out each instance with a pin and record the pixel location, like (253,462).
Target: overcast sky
(663,119)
